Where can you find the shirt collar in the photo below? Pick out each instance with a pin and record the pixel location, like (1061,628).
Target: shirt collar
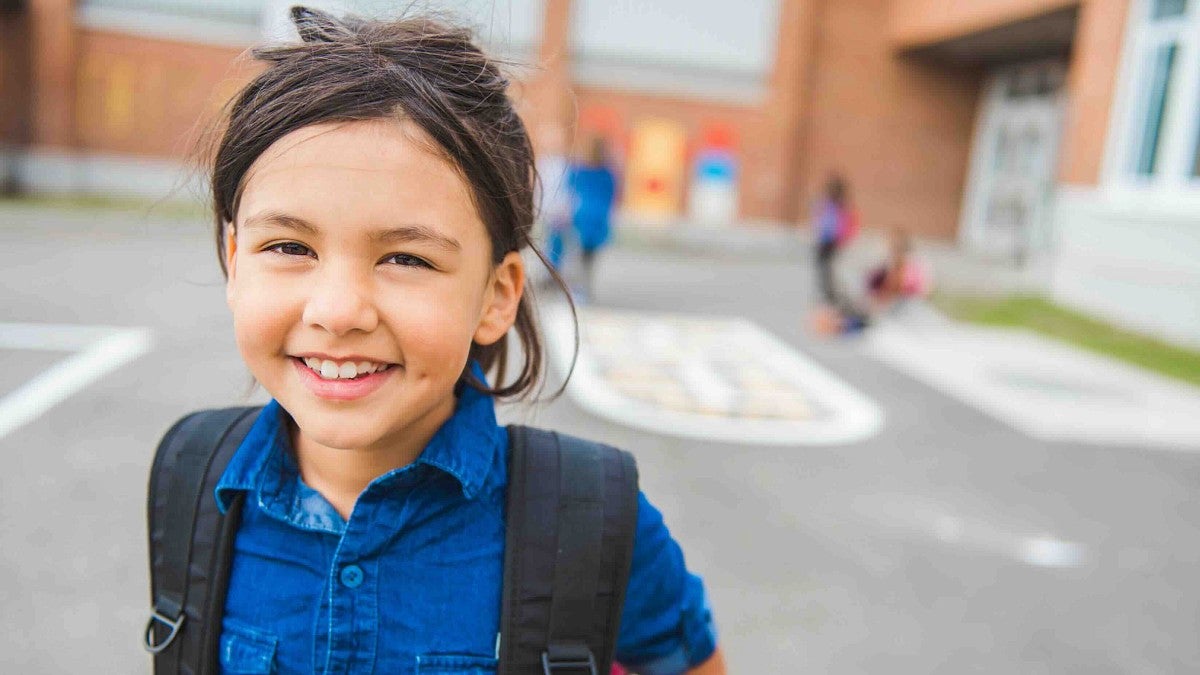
(258,447)
(463,447)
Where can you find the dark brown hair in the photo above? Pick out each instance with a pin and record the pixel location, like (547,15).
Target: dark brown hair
(416,68)
(836,189)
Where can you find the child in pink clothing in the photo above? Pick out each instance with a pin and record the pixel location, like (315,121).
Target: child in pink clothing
(898,278)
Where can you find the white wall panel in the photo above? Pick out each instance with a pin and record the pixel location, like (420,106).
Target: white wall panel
(1132,260)
(722,50)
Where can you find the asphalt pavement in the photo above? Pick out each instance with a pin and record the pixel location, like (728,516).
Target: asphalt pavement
(946,542)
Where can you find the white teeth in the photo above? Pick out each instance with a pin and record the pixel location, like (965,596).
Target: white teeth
(332,370)
(329,370)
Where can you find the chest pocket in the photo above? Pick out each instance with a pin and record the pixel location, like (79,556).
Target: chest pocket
(455,664)
(245,651)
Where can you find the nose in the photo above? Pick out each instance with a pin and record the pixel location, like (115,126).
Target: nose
(340,302)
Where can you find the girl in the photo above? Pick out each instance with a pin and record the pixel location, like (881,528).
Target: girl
(594,187)
(836,225)
(373,189)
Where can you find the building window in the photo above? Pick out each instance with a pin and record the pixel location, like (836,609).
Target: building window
(716,51)
(1158,143)
(1165,9)
(215,22)
(1156,105)
(230,11)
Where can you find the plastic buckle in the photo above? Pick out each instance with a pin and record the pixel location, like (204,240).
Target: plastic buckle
(173,624)
(560,664)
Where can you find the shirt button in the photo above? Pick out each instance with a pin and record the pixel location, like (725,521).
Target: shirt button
(352,576)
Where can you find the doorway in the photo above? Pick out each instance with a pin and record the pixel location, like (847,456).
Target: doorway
(1013,162)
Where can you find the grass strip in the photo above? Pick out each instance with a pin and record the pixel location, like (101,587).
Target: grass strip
(1042,316)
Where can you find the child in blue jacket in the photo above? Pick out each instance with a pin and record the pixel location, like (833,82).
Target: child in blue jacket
(373,189)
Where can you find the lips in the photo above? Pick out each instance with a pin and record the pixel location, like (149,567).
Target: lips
(342,389)
(330,369)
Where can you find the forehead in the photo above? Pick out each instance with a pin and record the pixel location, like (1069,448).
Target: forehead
(349,175)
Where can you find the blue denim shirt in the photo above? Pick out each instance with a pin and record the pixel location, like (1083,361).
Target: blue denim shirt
(411,583)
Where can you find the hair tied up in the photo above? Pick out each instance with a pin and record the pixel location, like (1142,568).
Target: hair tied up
(316,26)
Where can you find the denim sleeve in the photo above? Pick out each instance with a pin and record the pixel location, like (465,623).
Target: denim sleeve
(666,626)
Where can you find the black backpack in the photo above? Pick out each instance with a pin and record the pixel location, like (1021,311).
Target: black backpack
(568,548)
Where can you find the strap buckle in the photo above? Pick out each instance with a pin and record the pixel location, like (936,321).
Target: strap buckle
(567,660)
(173,624)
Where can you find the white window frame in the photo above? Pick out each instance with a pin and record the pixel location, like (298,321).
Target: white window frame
(164,21)
(1180,131)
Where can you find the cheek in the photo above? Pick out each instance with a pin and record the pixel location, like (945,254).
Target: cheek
(437,322)
(261,317)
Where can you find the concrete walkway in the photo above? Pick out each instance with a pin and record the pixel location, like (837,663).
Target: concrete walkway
(1043,387)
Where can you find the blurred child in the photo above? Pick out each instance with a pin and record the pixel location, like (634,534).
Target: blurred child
(594,187)
(837,224)
(900,277)
(554,196)
(892,282)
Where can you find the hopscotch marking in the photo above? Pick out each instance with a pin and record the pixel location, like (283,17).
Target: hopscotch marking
(685,375)
(97,351)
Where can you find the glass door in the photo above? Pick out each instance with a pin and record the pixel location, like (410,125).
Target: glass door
(1013,162)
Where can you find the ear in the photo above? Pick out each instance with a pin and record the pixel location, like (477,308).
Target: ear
(503,296)
(230,257)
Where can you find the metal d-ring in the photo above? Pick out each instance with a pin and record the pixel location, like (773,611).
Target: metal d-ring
(173,624)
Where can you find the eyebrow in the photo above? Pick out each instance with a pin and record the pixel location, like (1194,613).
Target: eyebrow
(398,234)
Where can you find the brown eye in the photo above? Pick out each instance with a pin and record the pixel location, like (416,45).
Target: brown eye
(291,248)
(406,260)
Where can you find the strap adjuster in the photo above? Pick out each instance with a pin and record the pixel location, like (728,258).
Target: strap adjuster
(173,624)
(568,660)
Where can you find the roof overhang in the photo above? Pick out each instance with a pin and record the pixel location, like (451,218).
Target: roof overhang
(1045,35)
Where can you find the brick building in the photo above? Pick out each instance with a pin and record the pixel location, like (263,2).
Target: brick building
(1060,133)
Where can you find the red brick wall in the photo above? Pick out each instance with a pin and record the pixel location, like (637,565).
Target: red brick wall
(767,132)
(839,99)
(141,96)
(1091,85)
(14,78)
(52,71)
(898,130)
(757,146)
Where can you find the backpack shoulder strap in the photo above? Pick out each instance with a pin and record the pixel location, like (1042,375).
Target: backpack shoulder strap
(572,512)
(191,543)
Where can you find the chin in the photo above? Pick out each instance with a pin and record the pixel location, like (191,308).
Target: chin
(340,439)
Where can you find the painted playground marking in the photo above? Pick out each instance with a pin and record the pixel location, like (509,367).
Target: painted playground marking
(928,518)
(709,378)
(97,351)
(1043,387)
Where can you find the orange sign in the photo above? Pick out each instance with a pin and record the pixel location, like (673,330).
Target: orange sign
(655,170)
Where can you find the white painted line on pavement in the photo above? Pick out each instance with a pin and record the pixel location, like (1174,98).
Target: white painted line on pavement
(1045,388)
(926,517)
(98,350)
(842,415)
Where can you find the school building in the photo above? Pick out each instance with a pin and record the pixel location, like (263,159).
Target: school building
(1055,133)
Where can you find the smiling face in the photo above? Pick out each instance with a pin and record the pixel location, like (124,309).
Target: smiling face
(354,243)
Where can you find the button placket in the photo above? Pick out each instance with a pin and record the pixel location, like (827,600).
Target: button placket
(353,611)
